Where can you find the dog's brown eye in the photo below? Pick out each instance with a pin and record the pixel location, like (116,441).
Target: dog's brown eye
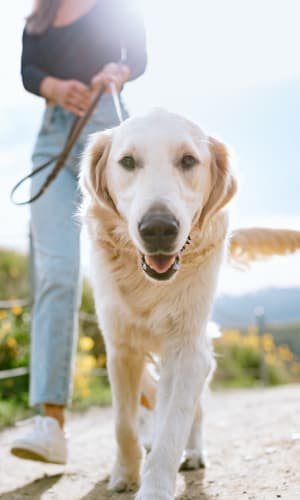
(188,161)
(128,162)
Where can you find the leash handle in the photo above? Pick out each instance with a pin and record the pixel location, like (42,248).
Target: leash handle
(60,159)
(116,101)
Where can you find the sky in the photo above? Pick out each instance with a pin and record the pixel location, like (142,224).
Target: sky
(231,66)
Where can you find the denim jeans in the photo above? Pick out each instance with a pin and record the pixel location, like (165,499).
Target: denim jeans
(55,255)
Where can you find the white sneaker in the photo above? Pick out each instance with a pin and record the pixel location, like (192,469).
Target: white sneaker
(46,442)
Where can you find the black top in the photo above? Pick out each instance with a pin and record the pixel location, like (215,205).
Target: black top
(110,32)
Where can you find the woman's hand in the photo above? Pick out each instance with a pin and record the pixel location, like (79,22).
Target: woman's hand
(112,72)
(72,95)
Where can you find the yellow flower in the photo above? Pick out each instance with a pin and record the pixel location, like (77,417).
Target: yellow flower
(81,385)
(16,310)
(86,343)
(102,360)
(271,359)
(295,368)
(285,353)
(2,315)
(268,342)
(231,336)
(11,342)
(251,341)
(86,362)
(6,327)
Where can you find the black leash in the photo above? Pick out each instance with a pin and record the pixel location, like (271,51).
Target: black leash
(60,159)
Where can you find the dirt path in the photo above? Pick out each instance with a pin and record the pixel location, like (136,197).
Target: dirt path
(253,441)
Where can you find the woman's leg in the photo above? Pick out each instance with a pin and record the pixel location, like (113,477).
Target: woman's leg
(56,244)
(56,247)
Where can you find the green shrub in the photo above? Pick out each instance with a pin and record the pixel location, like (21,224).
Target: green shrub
(239,360)
(14,351)
(13,275)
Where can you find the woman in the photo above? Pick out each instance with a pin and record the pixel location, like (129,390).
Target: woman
(70,49)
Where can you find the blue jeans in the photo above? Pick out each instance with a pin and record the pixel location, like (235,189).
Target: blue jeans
(56,255)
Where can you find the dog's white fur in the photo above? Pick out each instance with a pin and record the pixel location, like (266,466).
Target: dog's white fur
(138,315)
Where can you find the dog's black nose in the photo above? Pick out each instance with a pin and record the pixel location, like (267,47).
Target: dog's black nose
(159,231)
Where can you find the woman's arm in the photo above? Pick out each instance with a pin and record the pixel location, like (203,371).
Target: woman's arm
(72,95)
(32,75)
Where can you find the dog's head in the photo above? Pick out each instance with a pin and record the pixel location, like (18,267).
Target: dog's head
(162,175)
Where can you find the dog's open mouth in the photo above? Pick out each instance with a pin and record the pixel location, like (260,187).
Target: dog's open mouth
(160,267)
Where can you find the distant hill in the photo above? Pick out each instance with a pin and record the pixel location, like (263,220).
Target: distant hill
(281,305)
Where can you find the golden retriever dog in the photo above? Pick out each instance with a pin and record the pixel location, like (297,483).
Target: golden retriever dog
(155,190)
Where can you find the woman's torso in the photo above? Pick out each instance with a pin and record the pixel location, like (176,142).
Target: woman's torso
(78,50)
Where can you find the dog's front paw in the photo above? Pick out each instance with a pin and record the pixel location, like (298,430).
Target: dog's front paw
(193,460)
(122,483)
(122,480)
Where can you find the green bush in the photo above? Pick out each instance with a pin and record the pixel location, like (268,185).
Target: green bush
(13,275)
(239,360)
(14,351)
(15,343)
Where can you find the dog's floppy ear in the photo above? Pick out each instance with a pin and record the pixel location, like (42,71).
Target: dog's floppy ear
(223,183)
(93,175)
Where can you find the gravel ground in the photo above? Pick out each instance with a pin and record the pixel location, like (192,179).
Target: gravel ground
(253,442)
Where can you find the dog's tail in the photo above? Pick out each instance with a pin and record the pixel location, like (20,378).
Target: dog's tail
(250,244)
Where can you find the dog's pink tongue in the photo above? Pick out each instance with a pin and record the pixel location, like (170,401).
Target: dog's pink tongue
(160,263)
